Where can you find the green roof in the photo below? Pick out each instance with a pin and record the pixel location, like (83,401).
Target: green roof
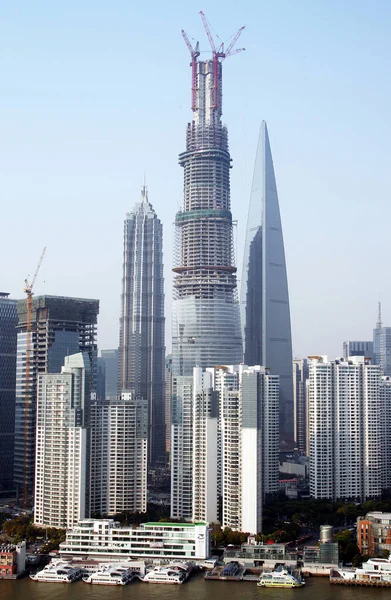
(175,524)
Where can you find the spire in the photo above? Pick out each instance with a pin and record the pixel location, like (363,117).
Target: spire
(144,191)
(379,324)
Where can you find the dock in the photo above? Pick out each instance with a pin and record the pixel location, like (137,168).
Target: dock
(360,582)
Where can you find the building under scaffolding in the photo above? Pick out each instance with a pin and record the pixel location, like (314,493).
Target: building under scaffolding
(206,318)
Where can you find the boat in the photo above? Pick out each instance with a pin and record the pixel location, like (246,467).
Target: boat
(280,578)
(111,575)
(375,570)
(173,573)
(58,571)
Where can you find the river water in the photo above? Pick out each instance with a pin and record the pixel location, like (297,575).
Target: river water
(317,588)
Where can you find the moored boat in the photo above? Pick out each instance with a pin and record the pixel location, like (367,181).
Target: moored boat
(280,578)
(111,575)
(58,572)
(175,573)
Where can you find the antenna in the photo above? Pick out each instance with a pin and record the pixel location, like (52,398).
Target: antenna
(379,323)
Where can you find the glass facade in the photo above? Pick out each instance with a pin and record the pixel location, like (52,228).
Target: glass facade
(142,346)
(60,326)
(264,292)
(8,322)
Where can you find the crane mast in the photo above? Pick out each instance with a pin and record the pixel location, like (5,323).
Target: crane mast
(28,289)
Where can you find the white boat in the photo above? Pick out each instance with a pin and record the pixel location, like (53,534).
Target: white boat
(58,571)
(280,578)
(111,575)
(175,573)
(375,569)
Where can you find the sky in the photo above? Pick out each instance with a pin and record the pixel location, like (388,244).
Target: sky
(95,95)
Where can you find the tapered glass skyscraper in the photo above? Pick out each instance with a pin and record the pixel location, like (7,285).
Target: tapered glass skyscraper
(264,292)
(206,319)
(141,348)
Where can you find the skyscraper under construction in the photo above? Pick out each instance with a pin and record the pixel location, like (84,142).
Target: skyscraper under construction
(206,320)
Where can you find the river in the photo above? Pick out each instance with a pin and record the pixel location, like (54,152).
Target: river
(317,588)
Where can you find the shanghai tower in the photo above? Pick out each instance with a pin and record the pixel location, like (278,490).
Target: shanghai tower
(141,346)
(206,317)
(264,291)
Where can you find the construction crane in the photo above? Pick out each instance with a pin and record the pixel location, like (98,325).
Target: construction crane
(28,289)
(194,53)
(219,53)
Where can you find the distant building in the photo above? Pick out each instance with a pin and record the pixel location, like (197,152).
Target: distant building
(60,326)
(382,346)
(374,533)
(119,453)
(385,399)
(345,430)
(8,323)
(101,379)
(61,465)
(358,349)
(300,378)
(141,346)
(110,358)
(105,539)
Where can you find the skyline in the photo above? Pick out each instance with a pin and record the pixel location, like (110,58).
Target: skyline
(71,148)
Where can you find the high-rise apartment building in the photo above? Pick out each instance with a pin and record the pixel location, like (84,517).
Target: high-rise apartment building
(8,323)
(60,326)
(385,399)
(119,439)
(264,291)
(206,320)
(110,358)
(300,378)
(229,447)
(61,463)
(141,346)
(345,428)
(357,348)
(182,447)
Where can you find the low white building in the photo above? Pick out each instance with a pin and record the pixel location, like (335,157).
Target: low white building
(106,539)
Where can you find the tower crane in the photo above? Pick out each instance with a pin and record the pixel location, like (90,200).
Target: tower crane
(28,289)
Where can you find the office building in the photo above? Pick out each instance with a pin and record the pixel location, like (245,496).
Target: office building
(141,347)
(60,326)
(110,358)
(382,346)
(101,379)
(61,463)
(264,291)
(8,323)
(374,533)
(105,539)
(206,320)
(358,349)
(300,378)
(119,454)
(345,430)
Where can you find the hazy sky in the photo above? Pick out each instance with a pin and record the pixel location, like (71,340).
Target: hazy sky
(94,94)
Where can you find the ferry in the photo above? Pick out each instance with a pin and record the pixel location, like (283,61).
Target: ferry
(280,578)
(111,575)
(173,573)
(375,570)
(58,572)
